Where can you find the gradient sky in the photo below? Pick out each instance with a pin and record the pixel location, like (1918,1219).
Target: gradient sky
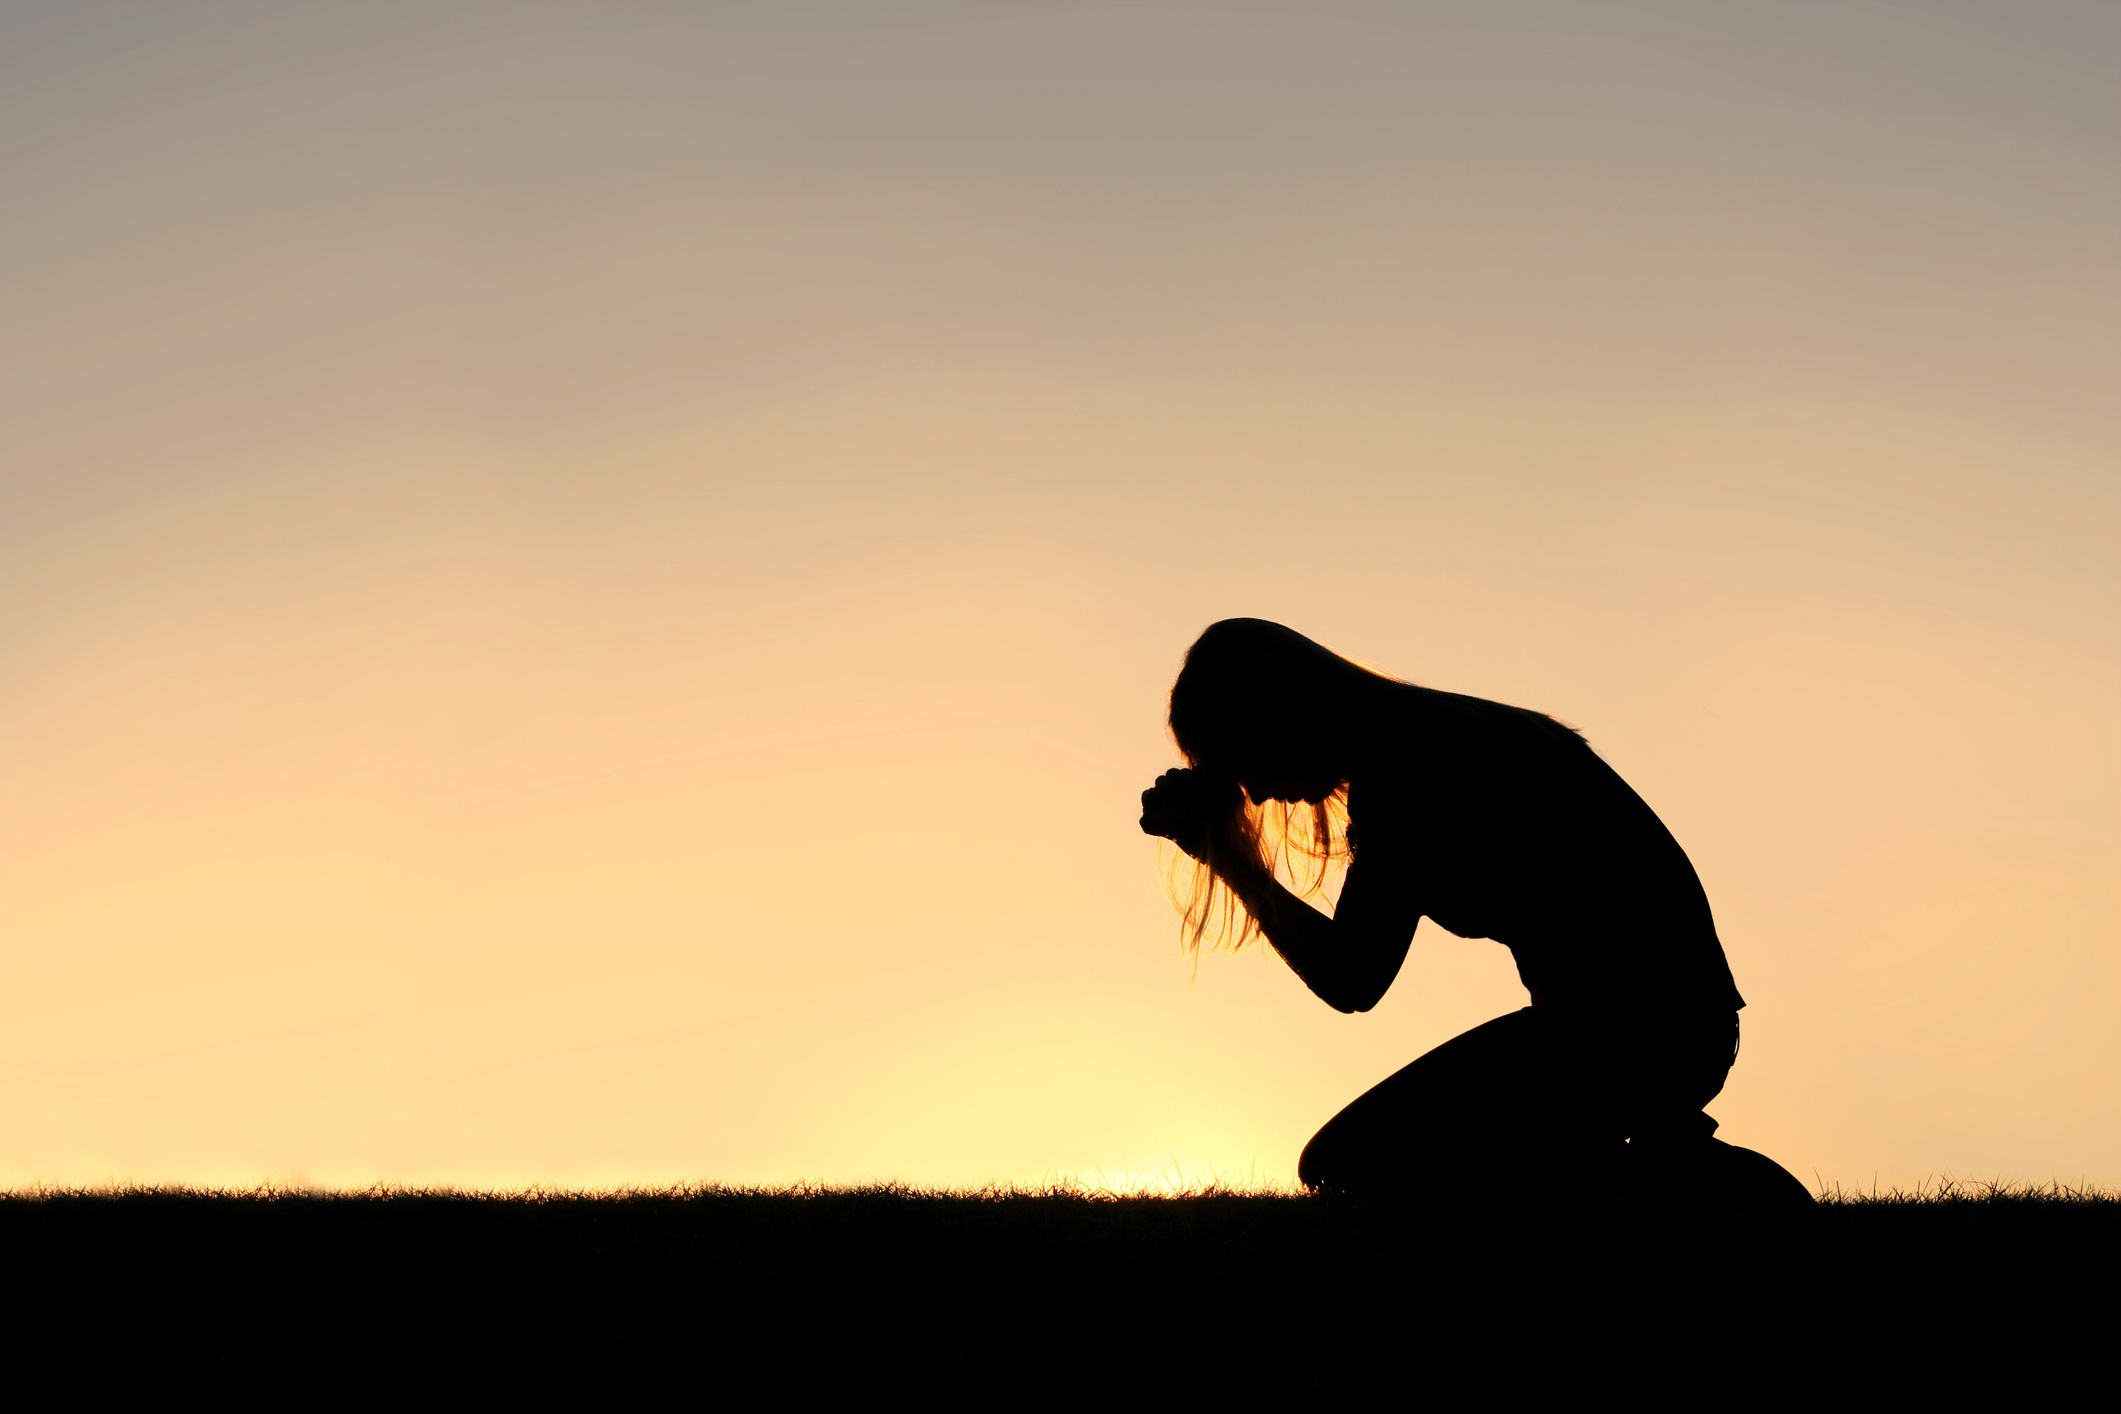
(585,588)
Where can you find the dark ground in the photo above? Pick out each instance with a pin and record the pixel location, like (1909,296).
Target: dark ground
(708,1295)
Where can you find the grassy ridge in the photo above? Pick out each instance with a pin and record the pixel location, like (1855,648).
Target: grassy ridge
(1209,1293)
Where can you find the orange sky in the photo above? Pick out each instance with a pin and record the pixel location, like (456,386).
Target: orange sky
(585,588)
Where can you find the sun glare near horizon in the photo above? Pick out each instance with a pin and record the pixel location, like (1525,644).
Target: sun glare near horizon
(586,589)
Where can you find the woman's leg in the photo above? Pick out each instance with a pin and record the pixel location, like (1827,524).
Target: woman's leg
(1502,1104)
(1532,1096)
(1663,1069)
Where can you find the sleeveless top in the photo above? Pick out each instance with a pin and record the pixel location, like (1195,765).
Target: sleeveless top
(1504,824)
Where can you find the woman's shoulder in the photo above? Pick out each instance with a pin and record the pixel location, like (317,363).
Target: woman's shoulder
(1455,724)
(1469,757)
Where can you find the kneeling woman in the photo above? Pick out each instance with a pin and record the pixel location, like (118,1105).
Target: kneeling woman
(1495,822)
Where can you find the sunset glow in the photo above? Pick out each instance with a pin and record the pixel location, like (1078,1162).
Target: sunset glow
(586,590)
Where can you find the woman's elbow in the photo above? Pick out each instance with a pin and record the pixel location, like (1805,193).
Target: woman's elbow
(1349,1002)
(1361,980)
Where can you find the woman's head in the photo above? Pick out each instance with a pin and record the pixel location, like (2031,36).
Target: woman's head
(1263,705)
(1267,708)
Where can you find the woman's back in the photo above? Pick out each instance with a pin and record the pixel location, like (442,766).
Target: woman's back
(1506,825)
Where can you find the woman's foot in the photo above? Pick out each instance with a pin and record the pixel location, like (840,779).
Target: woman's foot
(1709,1170)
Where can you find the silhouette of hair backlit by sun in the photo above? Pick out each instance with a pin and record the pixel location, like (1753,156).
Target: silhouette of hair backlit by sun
(1245,707)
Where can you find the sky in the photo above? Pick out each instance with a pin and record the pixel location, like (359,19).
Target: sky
(586,589)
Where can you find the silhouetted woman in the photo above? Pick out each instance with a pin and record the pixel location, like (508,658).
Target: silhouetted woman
(1496,822)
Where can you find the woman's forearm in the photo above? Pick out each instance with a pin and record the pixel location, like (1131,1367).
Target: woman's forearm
(1303,936)
(1288,922)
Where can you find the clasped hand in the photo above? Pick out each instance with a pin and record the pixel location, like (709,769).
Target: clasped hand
(1184,807)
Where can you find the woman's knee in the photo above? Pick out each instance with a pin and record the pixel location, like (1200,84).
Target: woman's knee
(1324,1163)
(1362,1147)
(1313,1165)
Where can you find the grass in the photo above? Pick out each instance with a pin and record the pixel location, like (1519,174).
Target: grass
(1209,1292)
(1992,1194)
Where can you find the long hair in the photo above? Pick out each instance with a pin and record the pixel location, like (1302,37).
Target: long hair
(1247,691)
(1305,846)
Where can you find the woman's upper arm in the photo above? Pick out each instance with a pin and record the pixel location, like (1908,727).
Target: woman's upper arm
(1378,905)
(1375,916)
(1381,899)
